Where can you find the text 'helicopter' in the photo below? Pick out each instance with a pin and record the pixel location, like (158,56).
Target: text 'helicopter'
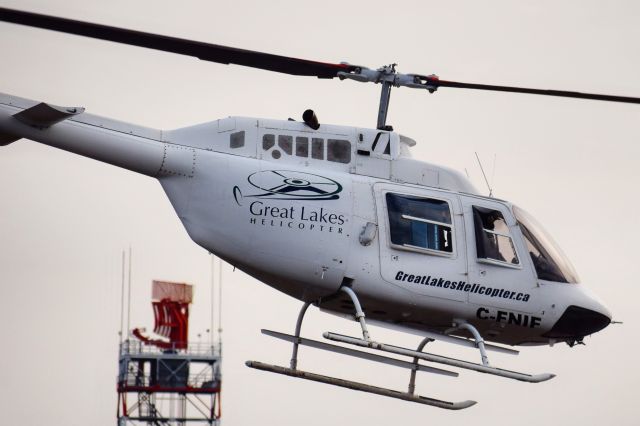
(362,229)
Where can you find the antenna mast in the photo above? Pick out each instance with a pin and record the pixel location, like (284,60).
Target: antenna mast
(213,297)
(485,176)
(129,296)
(220,302)
(122,299)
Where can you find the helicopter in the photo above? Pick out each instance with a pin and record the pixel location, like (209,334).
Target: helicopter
(412,245)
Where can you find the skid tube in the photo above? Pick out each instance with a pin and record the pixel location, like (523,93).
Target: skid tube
(482,368)
(342,350)
(360,386)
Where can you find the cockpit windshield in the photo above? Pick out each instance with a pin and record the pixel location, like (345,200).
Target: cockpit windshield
(550,263)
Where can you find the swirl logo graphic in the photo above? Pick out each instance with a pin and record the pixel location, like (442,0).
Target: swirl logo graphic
(290,185)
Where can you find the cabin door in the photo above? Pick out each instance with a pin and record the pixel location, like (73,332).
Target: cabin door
(499,268)
(422,241)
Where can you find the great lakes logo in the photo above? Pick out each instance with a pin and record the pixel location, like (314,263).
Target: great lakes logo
(290,185)
(266,208)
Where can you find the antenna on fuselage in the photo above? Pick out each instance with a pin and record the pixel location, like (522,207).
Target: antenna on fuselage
(484,175)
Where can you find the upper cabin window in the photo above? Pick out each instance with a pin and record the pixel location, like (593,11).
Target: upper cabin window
(420,223)
(268,141)
(339,150)
(493,240)
(302,146)
(317,148)
(236,140)
(285,142)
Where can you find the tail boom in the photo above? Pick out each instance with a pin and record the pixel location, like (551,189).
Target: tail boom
(121,144)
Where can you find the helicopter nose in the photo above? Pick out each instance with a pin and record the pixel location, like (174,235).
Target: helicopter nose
(577,322)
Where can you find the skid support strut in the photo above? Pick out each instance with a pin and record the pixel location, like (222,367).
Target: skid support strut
(296,343)
(359,312)
(359,317)
(414,370)
(477,337)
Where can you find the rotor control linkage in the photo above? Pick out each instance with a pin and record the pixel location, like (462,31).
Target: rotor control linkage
(388,74)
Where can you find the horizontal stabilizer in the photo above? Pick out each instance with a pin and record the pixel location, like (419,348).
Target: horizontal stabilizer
(6,138)
(45,115)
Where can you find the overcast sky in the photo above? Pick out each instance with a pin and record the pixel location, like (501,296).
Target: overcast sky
(65,219)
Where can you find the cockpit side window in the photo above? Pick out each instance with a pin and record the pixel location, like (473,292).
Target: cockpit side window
(493,240)
(549,261)
(419,223)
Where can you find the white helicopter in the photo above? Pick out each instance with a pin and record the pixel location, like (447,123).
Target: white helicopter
(362,230)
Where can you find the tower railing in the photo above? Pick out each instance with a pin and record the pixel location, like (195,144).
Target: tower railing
(136,347)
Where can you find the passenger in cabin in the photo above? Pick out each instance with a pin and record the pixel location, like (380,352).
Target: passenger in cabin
(492,221)
(434,236)
(440,236)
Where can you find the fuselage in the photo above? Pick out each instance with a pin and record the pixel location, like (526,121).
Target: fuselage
(307,211)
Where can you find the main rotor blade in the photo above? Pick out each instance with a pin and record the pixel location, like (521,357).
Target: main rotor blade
(266,61)
(434,82)
(203,51)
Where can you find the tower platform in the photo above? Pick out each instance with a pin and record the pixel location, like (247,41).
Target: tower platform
(164,386)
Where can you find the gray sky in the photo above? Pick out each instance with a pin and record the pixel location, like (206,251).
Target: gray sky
(65,219)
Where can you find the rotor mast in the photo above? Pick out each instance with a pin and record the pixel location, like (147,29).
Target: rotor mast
(388,77)
(385,97)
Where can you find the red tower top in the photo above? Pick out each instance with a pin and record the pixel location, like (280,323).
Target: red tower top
(163,379)
(170,303)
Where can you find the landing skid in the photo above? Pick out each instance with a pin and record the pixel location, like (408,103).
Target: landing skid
(440,359)
(360,386)
(417,355)
(358,354)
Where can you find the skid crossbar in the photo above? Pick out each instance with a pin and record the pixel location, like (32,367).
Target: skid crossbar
(439,359)
(358,354)
(360,386)
(468,342)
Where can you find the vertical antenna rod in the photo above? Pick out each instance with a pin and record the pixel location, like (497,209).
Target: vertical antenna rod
(129,296)
(220,301)
(213,297)
(122,299)
(483,174)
